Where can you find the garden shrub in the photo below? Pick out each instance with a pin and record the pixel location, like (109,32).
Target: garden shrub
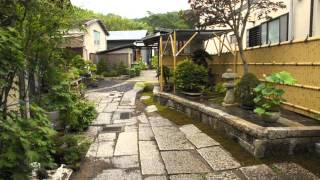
(191,77)
(122,69)
(71,149)
(112,73)
(142,65)
(200,57)
(102,66)
(76,112)
(219,88)
(24,141)
(245,90)
(79,115)
(154,62)
(269,96)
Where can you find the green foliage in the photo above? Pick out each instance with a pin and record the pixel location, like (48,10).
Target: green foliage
(269,97)
(79,115)
(219,88)
(191,77)
(113,22)
(173,20)
(71,149)
(245,90)
(11,61)
(122,69)
(167,74)
(201,57)
(154,62)
(23,141)
(142,65)
(102,66)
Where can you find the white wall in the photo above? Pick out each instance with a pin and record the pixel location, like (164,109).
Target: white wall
(316,20)
(89,46)
(300,18)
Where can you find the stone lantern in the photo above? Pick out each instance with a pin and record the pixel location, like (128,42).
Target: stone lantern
(229,77)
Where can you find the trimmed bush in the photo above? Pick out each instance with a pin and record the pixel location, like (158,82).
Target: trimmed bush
(102,66)
(191,77)
(71,149)
(245,90)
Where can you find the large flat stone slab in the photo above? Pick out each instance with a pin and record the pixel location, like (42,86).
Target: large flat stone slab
(218,158)
(125,162)
(119,174)
(294,171)
(170,138)
(184,162)
(201,140)
(101,150)
(159,122)
(103,119)
(107,137)
(127,144)
(156,178)
(131,121)
(129,98)
(189,129)
(111,107)
(143,119)
(186,177)
(259,172)
(145,133)
(151,163)
(225,175)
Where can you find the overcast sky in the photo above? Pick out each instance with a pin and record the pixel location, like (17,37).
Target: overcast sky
(132,8)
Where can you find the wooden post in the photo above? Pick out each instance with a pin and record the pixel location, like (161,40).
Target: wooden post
(161,63)
(174,58)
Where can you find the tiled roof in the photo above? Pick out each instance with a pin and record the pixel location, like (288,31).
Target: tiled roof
(127,35)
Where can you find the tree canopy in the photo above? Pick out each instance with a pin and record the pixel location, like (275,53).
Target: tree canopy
(175,20)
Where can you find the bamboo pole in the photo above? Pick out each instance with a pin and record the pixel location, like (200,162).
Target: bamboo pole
(174,58)
(223,44)
(161,64)
(187,43)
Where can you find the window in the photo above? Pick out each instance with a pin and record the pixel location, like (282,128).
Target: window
(264,33)
(274,31)
(96,38)
(255,36)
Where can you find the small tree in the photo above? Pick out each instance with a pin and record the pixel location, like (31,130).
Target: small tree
(234,14)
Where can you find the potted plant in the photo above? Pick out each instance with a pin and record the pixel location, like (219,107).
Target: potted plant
(191,78)
(245,91)
(269,96)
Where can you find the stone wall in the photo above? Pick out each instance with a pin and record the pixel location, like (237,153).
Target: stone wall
(259,141)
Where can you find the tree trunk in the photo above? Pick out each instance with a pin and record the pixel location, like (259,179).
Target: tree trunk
(243,57)
(23,95)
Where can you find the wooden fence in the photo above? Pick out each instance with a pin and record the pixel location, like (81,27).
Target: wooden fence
(301,59)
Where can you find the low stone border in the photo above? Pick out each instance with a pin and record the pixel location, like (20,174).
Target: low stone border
(259,141)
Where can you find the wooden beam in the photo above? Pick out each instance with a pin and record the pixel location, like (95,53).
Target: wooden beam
(161,63)
(187,43)
(172,45)
(174,58)
(165,47)
(223,43)
(215,44)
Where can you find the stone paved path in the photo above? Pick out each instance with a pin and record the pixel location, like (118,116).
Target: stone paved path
(133,145)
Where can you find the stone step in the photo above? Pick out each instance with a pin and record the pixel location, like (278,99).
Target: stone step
(151,163)
(293,171)
(218,158)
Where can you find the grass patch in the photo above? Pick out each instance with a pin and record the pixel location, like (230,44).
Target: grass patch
(310,161)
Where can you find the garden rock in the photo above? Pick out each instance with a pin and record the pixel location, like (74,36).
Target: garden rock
(151,109)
